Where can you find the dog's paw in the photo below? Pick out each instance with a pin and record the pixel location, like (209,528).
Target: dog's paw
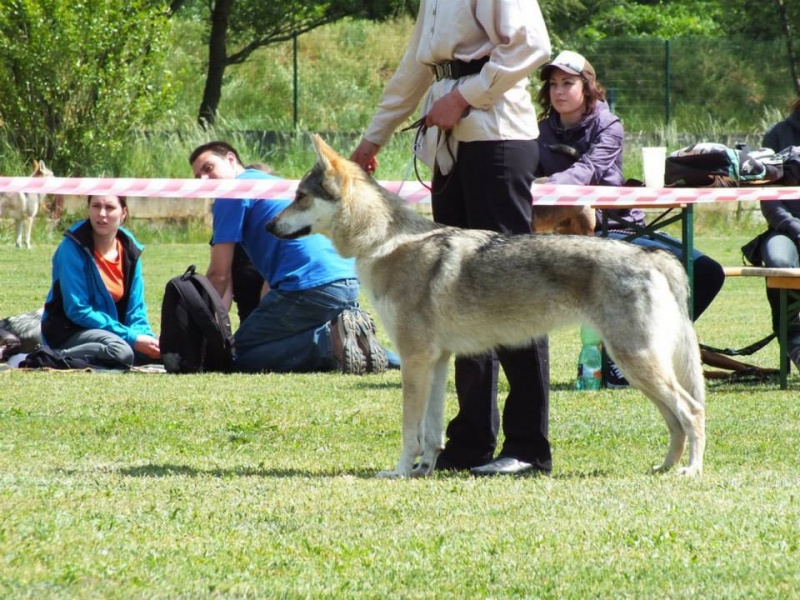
(690,471)
(422,469)
(662,468)
(394,474)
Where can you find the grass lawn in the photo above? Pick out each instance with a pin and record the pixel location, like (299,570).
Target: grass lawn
(262,486)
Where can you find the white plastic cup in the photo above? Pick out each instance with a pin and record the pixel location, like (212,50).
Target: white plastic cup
(653,161)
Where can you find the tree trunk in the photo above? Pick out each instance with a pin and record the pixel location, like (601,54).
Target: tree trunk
(217,61)
(787,31)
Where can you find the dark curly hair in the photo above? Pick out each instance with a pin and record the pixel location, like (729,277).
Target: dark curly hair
(592,92)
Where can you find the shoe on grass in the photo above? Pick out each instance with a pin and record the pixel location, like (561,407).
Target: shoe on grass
(377,362)
(346,348)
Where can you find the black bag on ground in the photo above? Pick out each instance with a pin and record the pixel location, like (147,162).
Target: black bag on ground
(45,357)
(195,327)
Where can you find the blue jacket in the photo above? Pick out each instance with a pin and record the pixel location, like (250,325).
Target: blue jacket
(79,300)
(597,158)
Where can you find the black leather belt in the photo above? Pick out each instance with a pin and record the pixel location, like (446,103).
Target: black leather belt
(456,69)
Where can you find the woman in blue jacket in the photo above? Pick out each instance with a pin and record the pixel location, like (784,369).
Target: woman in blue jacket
(95,309)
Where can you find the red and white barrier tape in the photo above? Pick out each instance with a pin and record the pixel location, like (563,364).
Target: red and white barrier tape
(411,191)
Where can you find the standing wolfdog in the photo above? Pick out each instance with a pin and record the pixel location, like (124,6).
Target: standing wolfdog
(444,290)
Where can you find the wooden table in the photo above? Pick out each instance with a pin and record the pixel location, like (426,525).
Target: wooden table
(782,280)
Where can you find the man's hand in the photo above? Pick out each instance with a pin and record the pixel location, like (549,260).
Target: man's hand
(447,111)
(365,155)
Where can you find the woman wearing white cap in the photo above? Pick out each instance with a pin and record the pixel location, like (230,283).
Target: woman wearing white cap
(580,143)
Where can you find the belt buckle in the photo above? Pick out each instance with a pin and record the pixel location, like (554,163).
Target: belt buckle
(443,71)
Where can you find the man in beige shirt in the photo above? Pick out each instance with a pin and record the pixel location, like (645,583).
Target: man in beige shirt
(470,60)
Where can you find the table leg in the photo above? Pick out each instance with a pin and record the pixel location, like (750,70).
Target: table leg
(783,336)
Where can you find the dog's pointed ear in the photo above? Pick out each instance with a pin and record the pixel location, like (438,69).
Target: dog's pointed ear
(325,154)
(35,165)
(339,171)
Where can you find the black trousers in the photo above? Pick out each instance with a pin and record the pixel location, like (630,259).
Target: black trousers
(489,188)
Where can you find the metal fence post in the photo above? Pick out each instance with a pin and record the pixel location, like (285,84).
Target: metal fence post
(666,81)
(294,80)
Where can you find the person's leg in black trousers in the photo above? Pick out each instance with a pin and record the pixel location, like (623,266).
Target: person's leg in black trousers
(472,434)
(489,188)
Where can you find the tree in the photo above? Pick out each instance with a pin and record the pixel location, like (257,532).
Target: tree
(76,77)
(790,51)
(581,22)
(248,25)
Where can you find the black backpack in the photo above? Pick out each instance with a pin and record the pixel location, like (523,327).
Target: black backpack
(195,327)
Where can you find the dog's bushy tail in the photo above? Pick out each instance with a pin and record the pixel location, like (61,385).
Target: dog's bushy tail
(687,363)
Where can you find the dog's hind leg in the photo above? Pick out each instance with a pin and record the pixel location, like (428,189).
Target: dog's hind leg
(433,423)
(690,417)
(684,415)
(417,372)
(677,438)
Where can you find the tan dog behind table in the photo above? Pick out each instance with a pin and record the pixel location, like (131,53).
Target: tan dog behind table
(440,291)
(574,220)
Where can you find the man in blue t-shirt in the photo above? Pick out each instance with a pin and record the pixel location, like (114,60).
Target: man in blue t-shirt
(309,320)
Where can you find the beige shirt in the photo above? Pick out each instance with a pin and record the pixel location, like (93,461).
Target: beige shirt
(512,33)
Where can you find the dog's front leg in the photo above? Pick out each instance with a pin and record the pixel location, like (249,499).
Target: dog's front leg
(28,230)
(417,376)
(433,424)
(19,232)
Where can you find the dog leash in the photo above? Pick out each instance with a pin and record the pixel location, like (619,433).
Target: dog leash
(746,351)
(421,130)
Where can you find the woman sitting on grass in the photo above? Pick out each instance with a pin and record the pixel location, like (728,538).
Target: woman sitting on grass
(95,310)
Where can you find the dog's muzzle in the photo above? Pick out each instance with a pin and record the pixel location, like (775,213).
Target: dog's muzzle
(274,228)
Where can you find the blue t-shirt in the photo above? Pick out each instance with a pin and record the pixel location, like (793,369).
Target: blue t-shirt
(289,265)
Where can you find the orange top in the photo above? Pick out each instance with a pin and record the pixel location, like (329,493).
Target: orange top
(111,272)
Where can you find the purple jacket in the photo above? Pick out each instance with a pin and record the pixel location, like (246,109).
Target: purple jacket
(596,159)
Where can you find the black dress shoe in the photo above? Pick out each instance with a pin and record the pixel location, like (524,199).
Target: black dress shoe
(506,465)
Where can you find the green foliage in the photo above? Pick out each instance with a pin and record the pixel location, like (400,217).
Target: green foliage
(628,18)
(77,77)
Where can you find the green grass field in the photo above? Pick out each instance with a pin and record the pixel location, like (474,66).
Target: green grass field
(262,486)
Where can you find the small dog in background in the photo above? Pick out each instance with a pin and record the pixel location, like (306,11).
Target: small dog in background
(20,333)
(22,206)
(575,220)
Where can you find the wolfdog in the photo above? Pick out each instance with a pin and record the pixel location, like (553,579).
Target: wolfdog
(22,207)
(443,290)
